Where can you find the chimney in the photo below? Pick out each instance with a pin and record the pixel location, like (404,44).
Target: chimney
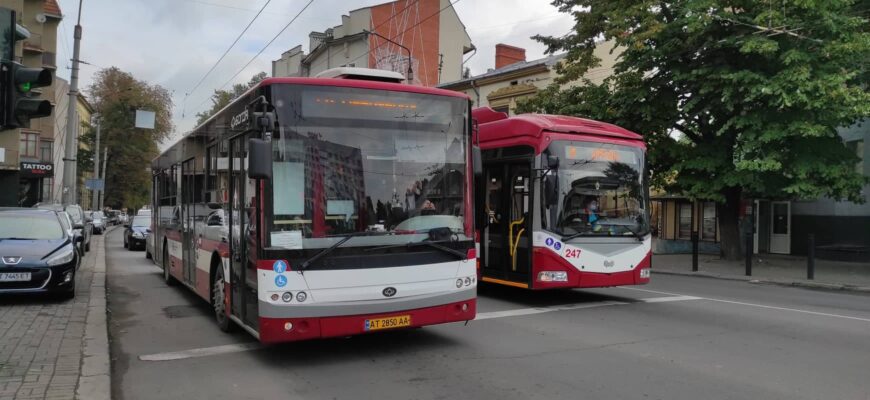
(506,55)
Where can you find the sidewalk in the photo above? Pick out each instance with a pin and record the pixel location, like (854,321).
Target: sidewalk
(52,349)
(770,268)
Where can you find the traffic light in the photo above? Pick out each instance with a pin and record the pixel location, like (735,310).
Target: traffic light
(17,103)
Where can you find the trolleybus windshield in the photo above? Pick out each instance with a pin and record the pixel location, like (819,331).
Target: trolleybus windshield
(359,160)
(600,190)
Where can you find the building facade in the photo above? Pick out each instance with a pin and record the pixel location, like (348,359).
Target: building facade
(425,35)
(27,155)
(514,79)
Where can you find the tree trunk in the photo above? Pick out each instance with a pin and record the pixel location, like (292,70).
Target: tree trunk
(729,225)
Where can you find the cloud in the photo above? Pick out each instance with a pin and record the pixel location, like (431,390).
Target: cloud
(174,42)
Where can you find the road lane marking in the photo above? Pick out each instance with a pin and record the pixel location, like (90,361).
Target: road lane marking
(668,299)
(797,310)
(202,352)
(540,310)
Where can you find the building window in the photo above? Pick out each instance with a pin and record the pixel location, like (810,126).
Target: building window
(505,109)
(708,223)
(685,220)
(28,145)
(857,147)
(46,189)
(46,150)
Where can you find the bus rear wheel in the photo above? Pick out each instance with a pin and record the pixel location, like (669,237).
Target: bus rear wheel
(218,296)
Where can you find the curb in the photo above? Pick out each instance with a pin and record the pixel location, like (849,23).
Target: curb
(770,281)
(95,379)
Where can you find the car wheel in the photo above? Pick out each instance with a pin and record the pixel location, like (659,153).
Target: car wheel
(167,277)
(219,301)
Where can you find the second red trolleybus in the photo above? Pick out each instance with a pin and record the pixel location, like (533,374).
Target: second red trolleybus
(320,207)
(564,202)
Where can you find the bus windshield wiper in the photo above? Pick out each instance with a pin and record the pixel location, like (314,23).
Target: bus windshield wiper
(330,249)
(435,244)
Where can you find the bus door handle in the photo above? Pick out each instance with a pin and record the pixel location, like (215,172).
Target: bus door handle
(513,244)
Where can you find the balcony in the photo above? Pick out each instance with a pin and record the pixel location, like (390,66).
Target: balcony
(33,43)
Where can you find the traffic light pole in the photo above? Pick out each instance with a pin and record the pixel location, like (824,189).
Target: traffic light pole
(69,159)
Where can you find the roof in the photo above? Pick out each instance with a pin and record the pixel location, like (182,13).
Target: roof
(51,7)
(496,126)
(354,83)
(546,61)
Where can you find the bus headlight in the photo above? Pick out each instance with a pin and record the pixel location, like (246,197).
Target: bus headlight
(287,296)
(301,296)
(467,281)
(459,283)
(552,276)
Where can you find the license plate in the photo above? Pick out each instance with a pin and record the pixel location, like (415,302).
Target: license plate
(388,322)
(14,276)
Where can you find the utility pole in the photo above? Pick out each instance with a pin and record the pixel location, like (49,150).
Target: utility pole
(69,159)
(103,175)
(94,200)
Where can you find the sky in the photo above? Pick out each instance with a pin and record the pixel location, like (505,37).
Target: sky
(173,43)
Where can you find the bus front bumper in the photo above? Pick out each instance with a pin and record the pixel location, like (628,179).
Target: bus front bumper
(276,330)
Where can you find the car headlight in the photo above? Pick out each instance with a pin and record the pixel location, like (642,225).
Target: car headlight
(63,256)
(138,235)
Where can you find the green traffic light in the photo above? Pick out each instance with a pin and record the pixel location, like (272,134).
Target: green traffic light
(25,87)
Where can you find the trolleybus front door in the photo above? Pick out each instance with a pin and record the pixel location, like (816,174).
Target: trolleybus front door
(506,236)
(242,280)
(188,236)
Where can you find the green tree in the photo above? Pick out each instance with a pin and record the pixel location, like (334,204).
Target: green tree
(735,99)
(222,98)
(116,95)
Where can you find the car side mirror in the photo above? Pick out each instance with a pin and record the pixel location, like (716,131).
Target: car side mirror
(78,226)
(126,225)
(79,238)
(259,159)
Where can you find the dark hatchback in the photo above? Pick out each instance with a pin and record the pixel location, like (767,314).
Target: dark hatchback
(37,255)
(136,232)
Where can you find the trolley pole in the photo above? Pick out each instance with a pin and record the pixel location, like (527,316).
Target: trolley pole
(71,145)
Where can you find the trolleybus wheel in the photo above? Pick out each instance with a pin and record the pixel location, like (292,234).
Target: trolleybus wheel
(218,297)
(167,277)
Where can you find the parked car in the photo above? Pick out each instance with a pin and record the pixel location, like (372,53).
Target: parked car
(136,231)
(122,218)
(99,222)
(112,217)
(144,211)
(80,223)
(37,254)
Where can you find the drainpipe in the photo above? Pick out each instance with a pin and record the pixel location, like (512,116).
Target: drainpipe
(476,93)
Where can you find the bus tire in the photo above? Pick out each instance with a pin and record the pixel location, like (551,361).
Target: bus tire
(167,277)
(218,299)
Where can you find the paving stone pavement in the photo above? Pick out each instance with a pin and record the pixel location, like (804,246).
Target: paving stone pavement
(42,339)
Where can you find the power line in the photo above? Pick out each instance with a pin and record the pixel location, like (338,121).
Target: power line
(189,92)
(261,50)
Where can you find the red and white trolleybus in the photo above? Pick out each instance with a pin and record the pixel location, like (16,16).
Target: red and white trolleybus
(320,207)
(563,202)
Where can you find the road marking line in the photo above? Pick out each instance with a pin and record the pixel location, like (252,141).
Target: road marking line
(797,310)
(668,299)
(540,310)
(201,352)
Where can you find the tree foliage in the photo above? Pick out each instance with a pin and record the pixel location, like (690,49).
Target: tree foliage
(735,98)
(222,98)
(116,95)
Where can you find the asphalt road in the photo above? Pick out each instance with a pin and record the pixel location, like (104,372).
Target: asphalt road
(676,338)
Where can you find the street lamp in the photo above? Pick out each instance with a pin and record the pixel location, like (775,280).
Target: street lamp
(410,69)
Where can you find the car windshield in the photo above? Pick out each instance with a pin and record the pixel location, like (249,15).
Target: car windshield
(98,215)
(600,190)
(75,213)
(366,161)
(35,227)
(141,222)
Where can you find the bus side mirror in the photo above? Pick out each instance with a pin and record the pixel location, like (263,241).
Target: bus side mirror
(259,159)
(551,189)
(552,162)
(477,161)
